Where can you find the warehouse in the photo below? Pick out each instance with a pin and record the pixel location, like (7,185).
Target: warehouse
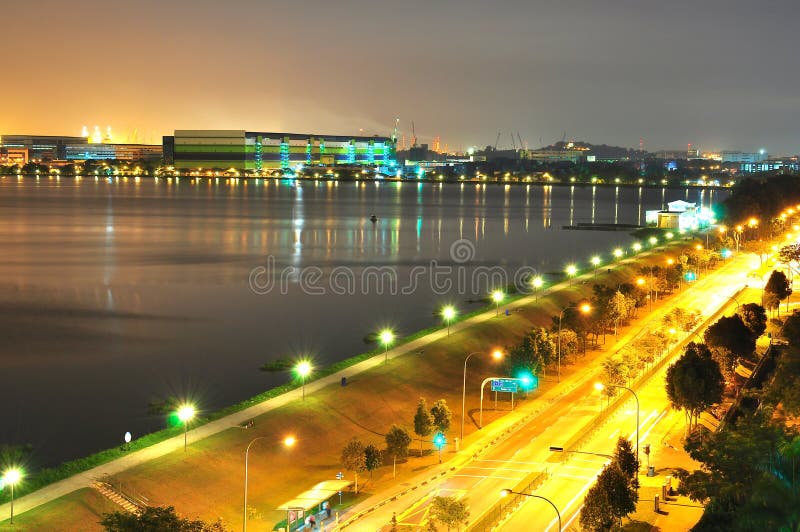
(256,152)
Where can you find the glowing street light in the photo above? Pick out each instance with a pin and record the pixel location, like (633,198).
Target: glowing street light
(653,241)
(448,314)
(387,337)
(595,262)
(586,309)
(303,368)
(11,478)
(496,355)
(186,413)
(571,270)
(599,386)
(618,253)
(507,492)
(669,236)
(288,442)
(497,297)
(637,247)
(537,283)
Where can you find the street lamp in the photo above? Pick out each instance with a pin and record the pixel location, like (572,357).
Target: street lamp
(507,492)
(585,308)
(653,241)
(186,413)
(496,355)
(448,313)
(10,478)
(387,337)
(303,368)
(288,441)
(618,253)
(595,262)
(497,297)
(599,386)
(637,247)
(571,270)
(537,283)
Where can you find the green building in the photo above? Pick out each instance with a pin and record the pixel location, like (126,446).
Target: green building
(256,151)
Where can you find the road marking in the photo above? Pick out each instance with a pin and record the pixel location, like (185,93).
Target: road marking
(613,434)
(502,469)
(484,477)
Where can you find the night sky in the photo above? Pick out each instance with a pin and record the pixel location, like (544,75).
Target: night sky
(719,74)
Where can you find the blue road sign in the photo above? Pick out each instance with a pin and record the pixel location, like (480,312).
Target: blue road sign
(505,385)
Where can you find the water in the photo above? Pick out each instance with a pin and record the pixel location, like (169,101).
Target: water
(117,293)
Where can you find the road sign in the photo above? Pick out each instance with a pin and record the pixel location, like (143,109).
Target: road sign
(505,385)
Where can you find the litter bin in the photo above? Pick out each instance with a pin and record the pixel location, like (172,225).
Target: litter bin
(651,471)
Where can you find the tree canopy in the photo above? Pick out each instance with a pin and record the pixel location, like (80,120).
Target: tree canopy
(694,382)
(156,519)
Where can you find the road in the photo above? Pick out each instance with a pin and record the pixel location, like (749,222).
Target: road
(526,451)
(569,481)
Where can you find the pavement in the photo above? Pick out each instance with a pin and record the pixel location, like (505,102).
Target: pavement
(509,456)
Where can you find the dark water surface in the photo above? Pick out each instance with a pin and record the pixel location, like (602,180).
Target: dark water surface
(117,293)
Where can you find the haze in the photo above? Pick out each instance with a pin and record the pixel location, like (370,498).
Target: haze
(719,74)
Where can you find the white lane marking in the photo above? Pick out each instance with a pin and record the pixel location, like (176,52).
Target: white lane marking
(500,469)
(613,434)
(484,477)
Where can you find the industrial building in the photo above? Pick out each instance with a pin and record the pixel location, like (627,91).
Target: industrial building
(117,152)
(257,151)
(40,148)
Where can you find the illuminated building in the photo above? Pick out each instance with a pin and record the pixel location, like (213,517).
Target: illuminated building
(40,147)
(257,151)
(118,152)
(744,157)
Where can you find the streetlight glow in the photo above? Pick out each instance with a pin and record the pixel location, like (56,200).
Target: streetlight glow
(618,252)
(11,478)
(497,354)
(537,282)
(599,386)
(289,441)
(586,308)
(497,296)
(186,413)
(387,337)
(304,369)
(637,246)
(595,260)
(448,314)
(571,270)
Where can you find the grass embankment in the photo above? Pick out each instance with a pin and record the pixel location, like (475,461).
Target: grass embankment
(206,481)
(77,512)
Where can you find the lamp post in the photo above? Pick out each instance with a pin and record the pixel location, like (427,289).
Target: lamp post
(595,262)
(618,253)
(387,337)
(186,413)
(571,270)
(585,308)
(599,386)
(448,313)
(303,369)
(497,297)
(506,492)
(497,355)
(11,478)
(537,283)
(288,441)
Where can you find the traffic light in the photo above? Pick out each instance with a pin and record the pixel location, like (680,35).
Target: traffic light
(439,440)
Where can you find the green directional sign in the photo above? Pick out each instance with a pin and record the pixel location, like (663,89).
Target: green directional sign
(505,385)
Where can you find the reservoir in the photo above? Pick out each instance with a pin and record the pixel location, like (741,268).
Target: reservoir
(115,293)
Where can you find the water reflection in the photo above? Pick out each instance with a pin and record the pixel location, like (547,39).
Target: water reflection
(131,290)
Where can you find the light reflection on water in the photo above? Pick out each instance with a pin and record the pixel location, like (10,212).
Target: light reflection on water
(118,292)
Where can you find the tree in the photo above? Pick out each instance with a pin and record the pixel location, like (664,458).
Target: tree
(614,372)
(777,285)
(754,317)
(569,344)
(694,382)
(397,441)
(680,319)
(441,416)
(762,248)
(156,519)
(619,309)
(788,254)
(423,422)
(449,511)
(730,339)
(611,498)
(771,302)
(625,458)
(353,458)
(372,458)
(534,353)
